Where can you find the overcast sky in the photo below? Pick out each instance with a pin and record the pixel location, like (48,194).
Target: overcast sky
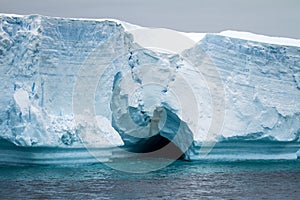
(269,17)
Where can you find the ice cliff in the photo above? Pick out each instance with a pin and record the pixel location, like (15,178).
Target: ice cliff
(50,88)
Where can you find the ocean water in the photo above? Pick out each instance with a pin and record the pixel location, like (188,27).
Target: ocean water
(278,179)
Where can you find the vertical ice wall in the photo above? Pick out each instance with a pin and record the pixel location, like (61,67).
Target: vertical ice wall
(39,61)
(261,84)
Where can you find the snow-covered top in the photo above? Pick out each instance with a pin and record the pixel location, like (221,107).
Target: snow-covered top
(248,36)
(198,36)
(261,38)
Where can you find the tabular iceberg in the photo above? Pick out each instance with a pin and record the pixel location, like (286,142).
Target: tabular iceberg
(68,84)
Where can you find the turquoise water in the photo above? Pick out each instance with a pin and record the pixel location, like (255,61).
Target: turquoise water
(181,180)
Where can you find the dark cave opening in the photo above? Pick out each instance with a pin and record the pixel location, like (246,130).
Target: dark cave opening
(155,147)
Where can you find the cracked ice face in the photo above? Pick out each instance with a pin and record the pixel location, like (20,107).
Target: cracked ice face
(141,93)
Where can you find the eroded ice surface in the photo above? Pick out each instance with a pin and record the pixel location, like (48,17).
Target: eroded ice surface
(42,59)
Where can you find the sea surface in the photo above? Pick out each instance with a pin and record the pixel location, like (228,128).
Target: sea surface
(278,179)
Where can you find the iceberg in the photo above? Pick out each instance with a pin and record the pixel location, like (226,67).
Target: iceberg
(74,90)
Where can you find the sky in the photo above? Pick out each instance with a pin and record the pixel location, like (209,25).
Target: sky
(268,17)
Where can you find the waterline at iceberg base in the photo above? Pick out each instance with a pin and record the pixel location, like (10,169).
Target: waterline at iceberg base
(77,91)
